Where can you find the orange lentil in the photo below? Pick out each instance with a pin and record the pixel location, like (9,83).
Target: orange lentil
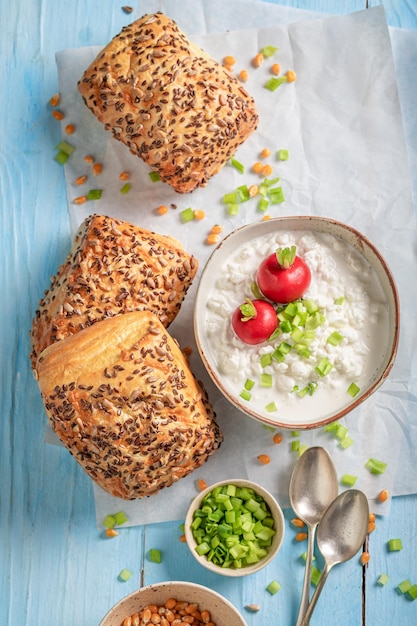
(199,214)
(97,169)
(162,210)
(183,539)
(253,191)
(70,129)
(80,180)
(372,517)
(264,218)
(229,60)
(267,170)
(243,75)
(371,527)
(258,59)
(212,238)
(80,200)
(291,76)
(257,167)
(383,495)
(297,522)
(264,459)
(124,176)
(365,558)
(301,536)
(58,115)
(201,484)
(277,438)
(216,229)
(275,69)
(111,532)
(88,158)
(55,100)
(266,152)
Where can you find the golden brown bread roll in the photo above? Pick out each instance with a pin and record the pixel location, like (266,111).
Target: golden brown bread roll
(122,399)
(113,267)
(168,101)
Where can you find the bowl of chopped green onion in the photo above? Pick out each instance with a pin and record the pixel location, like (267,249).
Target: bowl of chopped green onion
(234,527)
(172,601)
(296,320)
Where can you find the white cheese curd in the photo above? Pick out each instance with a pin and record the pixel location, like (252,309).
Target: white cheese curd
(351,300)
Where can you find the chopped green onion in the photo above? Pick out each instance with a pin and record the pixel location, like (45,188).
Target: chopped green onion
(249,384)
(382,580)
(346,442)
(302,448)
(271,407)
(187,215)
(263,205)
(61,157)
(404,586)
(332,428)
(324,367)
(276,195)
(395,545)
(295,433)
(94,194)
(154,176)
(266,359)
(412,592)
(155,555)
(126,188)
(124,575)
(237,165)
(120,518)
(339,300)
(243,193)
(341,432)
(375,466)
(283,155)
(266,380)
(295,445)
(245,395)
(65,147)
(335,338)
(269,51)
(348,480)
(353,389)
(315,575)
(273,587)
(274,82)
(109,521)
(232,208)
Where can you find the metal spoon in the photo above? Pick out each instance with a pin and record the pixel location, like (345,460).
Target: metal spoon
(313,487)
(340,535)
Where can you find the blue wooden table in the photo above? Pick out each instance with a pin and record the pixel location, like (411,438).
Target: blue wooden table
(55,565)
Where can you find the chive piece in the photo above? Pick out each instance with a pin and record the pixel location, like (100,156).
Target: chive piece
(295,445)
(126,188)
(237,165)
(324,367)
(263,205)
(332,428)
(187,215)
(335,338)
(109,521)
(230,198)
(382,579)
(341,432)
(375,466)
(315,575)
(243,193)
(266,359)
(266,380)
(271,407)
(268,51)
(412,592)
(295,433)
(339,300)
(155,555)
(346,442)
(120,518)
(65,147)
(232,209)
(154,176)
(61,157)
(349,480)
(249,384)
(274,82)
(273,587)
(283,155)
(302,448)
(395,545)
(245,395)
(353,389)
(124,575)
(94,194)
(276,195)
(404,586)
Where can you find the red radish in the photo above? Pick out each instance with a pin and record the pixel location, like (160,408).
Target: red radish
(283,276)
(254,321)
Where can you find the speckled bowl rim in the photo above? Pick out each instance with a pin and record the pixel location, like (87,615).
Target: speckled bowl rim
(221,609)
(313,224)
(276,543)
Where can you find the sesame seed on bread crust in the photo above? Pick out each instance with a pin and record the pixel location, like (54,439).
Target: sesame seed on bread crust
(113,267)
(169,102)
(121,397)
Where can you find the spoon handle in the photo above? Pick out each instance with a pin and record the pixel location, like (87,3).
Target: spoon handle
(316,594)
(307,575)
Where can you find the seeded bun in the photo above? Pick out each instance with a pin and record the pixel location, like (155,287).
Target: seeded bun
(113,267)
(122,399)
(169,102)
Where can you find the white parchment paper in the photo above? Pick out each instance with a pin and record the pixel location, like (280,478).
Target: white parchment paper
(341,122)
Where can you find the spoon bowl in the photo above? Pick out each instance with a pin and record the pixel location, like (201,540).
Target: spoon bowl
(313,487)
(340,535)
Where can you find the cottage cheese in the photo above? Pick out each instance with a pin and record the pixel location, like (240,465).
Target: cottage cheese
(349,294)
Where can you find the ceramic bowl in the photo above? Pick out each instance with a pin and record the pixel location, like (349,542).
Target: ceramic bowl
(277,540)
(221,610)
(313,410)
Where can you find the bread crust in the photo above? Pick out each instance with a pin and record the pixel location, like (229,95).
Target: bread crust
(172,104)
(113,267)
(121,397)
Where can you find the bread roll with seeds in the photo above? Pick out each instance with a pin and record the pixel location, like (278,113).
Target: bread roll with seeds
(121,397)
(113,267)
(169,102)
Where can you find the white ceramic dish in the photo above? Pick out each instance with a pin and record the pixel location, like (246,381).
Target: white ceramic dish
(305,416)
(222,611)
(279,526)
